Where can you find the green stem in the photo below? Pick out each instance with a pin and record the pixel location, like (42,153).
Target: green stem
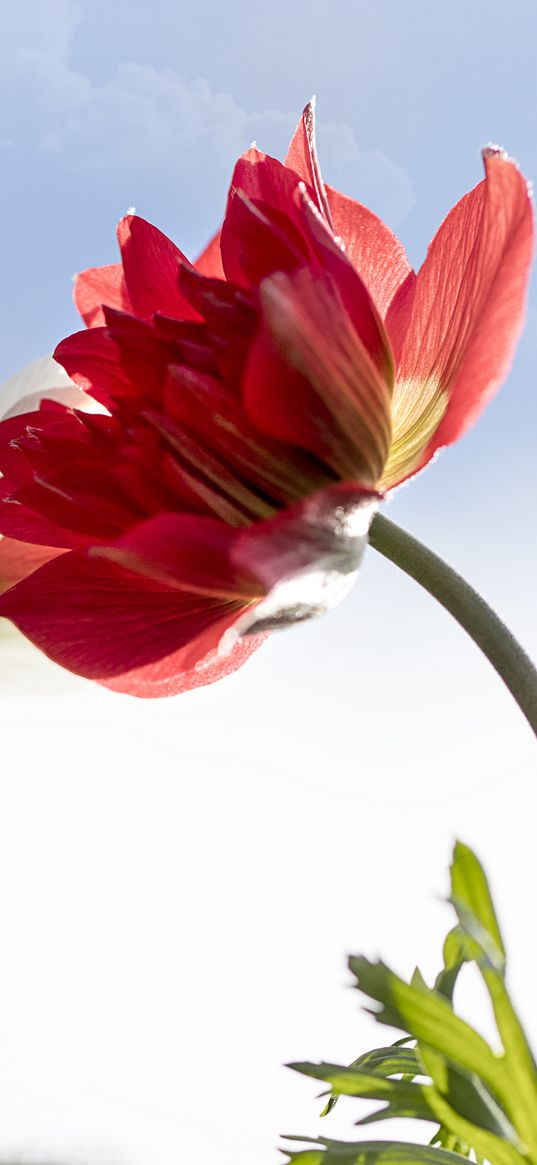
(467,607)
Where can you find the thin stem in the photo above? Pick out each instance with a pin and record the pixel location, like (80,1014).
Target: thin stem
(467,607)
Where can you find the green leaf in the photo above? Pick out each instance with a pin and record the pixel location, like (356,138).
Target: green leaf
(428,1016)
(307,1157)
(467,1095)
(469,887)
(391,1061)
(484,1143)
(404,1099)
(465,1108)
(455,956)
(472,901)
(484,1102)
(445,1139)
(371,1152)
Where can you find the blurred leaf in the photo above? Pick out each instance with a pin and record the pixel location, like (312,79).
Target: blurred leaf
(404,1099)
(392,1061)
(428,1016)
(369,1153)
(473,904)
(484,1102)
(467,1095)
(469,888)
(455,956)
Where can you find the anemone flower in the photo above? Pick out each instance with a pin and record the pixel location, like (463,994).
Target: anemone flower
(256,407)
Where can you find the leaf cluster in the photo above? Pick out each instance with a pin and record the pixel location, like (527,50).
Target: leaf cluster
(483,1102)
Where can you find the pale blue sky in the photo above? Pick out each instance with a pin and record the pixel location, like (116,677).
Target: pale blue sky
(138,840)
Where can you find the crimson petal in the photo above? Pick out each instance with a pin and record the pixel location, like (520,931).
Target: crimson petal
(151,265)
(98,286)
(355,295)
(210,261)
(302,158)
(147,615)
(466,317)
(257,240)
(272,187)
(372,248)
(310,381)
(264,179)
(19,559)
(93,361)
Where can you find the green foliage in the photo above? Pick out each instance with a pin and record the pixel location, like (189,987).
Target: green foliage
(483,1102)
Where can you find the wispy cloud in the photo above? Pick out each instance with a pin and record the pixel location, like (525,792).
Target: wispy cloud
(142,121)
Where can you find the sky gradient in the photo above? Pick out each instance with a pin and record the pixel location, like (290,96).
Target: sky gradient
(184,878)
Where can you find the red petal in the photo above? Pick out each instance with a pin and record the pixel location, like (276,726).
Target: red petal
(275,190)
(149,617)
(231,318)
(81,496)
(310,381)
(374,251)
(218,418)
(15,466)
(21,454)
(19,559)
(257,240)
(151,265)
(21,522)
(372,248)
(468,308)
(210,261)
(170,676)
(185,552)
(93,360)
(98,286)
(193,493)
(264,179)
(221,304)
(351,287)
(125,360)
(240,502)
(302,158)
(398,315)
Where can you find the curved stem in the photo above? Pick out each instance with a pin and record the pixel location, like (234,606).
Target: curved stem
(467,607)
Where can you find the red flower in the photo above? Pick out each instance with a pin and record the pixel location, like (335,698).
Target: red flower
(258,405)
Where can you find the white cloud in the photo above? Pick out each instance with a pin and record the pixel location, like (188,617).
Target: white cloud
(145,121)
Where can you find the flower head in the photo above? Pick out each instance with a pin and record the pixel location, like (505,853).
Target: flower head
(257,405)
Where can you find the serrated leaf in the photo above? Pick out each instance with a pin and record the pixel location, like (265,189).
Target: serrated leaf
(429,1017)
(484,1143)
(404,1099)
(371,1152)
(394,1060)
(455,956)
(307,1156)
(389,1061)
(478,923)
(484,1102)
(467,1096)
(445,1139)
(470,887)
